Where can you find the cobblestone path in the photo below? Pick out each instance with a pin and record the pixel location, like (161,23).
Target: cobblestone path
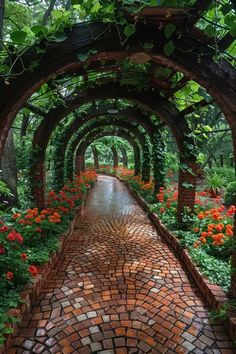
(118,289)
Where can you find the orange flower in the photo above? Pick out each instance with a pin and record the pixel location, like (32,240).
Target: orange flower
(196,229)
(38,220)
(33,270)
(16,216)
(201,216)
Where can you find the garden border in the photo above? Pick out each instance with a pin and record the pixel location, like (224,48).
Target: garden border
(31,291)
(212,293)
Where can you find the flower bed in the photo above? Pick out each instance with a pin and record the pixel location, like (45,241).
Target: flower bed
(29,238)
(208,238)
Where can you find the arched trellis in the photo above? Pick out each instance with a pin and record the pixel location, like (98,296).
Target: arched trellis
(218,78)
(100,132)
(132,115)
(149,100)
(132,129)
(121,132)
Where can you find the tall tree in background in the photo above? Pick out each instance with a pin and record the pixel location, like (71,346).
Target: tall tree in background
(48,12)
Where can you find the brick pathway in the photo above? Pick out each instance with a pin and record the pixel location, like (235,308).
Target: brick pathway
(118,289)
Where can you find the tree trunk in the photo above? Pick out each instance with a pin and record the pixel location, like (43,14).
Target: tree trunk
(115,156)
(95,156)
(221,160)
(24,125)
(124,156)
(9,170)
(48,12)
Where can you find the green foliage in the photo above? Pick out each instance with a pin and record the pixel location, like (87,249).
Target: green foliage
(158,160)
(4,190)
(146,165)
(214,182)
(230,194)
(215,270)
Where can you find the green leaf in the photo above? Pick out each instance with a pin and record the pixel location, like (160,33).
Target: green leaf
(59,37)
(229,19)
(226,8)
(18,36)
(169,30)
(148,46)
(95,7)
(232,29)
(129,30)
(169,48)
(57,14)
(75,2)
(210,30)
(39,29)
(82,56)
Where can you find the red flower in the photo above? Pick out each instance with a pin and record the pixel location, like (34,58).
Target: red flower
(33,270)
(4,228)
(23,256)
(38,229)
(2,250)
(9,275)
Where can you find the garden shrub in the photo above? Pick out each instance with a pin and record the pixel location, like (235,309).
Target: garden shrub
(230,194)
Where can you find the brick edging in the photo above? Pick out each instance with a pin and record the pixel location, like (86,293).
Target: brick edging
(212,293)
(31,291)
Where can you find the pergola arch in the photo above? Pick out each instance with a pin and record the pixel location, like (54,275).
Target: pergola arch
(133,131)
(130,114)
(121,132)
(219,79)
(149,101)
(116,131)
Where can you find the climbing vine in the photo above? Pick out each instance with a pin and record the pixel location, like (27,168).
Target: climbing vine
(158,159)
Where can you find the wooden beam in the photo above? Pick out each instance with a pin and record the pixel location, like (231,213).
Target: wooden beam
(197,9)
(180,84)
(195,106)
(35,109)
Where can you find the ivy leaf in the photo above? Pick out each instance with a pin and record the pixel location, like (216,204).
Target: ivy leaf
(82,57)
(169,48)
(226,8)
(95,7)
(18,36)
(148,45)
(210,30)
(129,30)
(232,29)
(59,37)
(229,19)
(169,30)
(57,14)
(38,30)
